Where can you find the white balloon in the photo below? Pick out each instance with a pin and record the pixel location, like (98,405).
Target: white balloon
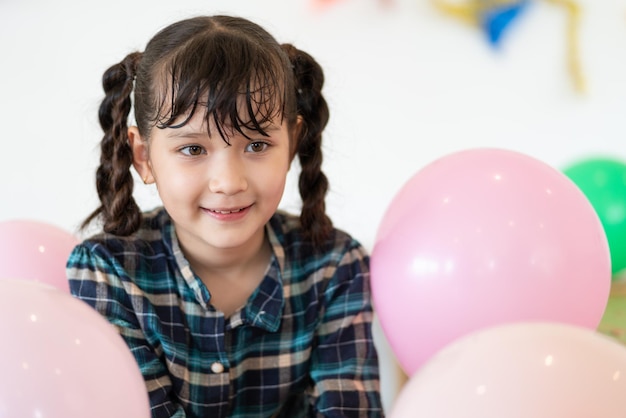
(520,370)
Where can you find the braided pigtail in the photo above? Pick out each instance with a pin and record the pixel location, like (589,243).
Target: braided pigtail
(114,182)
(313,109)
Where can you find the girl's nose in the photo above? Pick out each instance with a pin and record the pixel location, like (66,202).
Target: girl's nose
(227,174)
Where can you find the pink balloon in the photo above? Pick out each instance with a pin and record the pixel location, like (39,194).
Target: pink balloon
(60,358)
(520,370)
(34,250)
(484,237)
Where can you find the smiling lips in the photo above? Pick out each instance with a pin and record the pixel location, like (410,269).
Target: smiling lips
(225,212)
(228,214)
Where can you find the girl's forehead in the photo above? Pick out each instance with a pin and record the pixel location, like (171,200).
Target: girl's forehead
(248,120)
(245,99)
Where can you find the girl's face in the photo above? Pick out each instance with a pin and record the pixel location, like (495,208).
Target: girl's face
(219,196)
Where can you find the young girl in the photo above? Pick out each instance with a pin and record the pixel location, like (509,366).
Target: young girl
(230,306)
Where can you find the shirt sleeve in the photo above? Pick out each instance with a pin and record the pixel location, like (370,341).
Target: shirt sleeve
(344,364)
(98,279)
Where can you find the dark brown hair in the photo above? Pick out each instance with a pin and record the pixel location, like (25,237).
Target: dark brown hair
(210,64)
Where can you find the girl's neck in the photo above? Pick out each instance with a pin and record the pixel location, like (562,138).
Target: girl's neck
(207,260)
(232,275)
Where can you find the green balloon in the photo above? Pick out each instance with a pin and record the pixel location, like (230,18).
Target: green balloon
(603,181)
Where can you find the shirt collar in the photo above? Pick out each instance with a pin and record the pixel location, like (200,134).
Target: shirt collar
(266,304)
(198,288)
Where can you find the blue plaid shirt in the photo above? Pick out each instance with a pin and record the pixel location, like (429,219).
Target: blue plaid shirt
(301,346)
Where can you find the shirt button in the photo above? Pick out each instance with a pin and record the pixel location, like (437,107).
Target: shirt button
(217,367)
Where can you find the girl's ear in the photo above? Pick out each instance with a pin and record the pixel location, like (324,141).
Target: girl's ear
(141,156)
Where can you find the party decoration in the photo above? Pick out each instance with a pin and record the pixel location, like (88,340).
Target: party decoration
(494,17)
(34,250)
(520,370)
(603,181)
(60,358)
(482,237)
(496,20)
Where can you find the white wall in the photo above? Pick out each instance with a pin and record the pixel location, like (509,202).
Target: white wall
(405,85)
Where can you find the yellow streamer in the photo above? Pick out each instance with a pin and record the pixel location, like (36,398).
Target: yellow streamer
(573,22)
(471,10)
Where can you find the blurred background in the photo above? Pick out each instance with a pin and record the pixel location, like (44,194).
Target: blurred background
(407,81)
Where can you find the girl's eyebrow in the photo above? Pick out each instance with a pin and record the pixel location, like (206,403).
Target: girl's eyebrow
(185,133)
(270,127)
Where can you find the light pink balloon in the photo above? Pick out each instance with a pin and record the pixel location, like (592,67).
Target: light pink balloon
(60,358)
(34,250)
(483,237)
(520,370)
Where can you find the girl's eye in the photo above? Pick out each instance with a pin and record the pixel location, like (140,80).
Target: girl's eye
(192,150)
(256,147)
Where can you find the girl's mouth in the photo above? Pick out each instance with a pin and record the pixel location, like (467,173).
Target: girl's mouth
(227,214)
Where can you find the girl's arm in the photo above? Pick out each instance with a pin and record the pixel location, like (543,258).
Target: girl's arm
(101,282)
(344,363)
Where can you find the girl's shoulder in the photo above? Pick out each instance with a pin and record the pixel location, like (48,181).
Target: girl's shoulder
(152,237)
(121,261)
(287,230)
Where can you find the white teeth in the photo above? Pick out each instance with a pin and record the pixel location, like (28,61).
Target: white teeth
(226,212)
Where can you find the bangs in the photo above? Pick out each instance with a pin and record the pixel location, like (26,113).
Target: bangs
(238,86)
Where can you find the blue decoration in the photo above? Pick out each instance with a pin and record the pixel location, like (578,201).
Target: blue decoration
(495,20)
